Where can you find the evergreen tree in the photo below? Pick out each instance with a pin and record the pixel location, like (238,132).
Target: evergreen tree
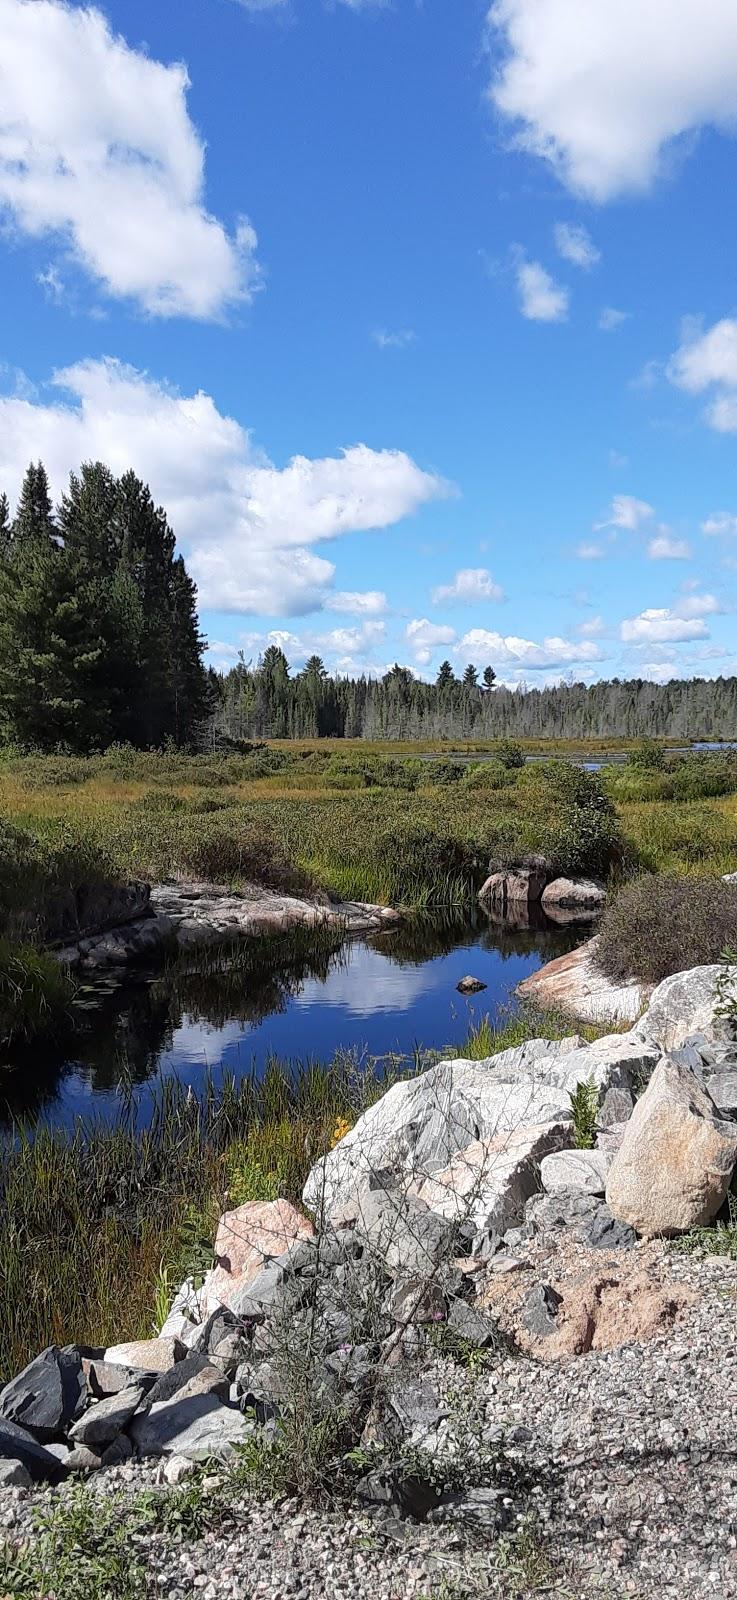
(489,677)
(470,677)
(445,676)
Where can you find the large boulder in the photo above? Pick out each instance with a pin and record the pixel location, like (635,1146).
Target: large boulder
(574,894)
(677,1157)
(47,1395)
(420,1125)
(514,886)
(689,1003)
(246,1240)
(192,1424)
(574,985)
(17,1444)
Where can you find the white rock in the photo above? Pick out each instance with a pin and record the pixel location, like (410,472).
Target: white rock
(686,1003)
(418,1127)
(177,1468)
(574,894)
(584,1170)
(147,1355)
(490,1182)
(677,1157)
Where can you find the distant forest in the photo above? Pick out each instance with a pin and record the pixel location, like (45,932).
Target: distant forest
(100,644)
(267,701)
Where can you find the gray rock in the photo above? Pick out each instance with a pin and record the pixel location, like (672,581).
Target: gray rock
(414,1299)
(403,1232)
(104,1421)
(550,1213)
(490,1509)
(17,1444)
(200,1427)
(210,1380)
(118,1452)
(13,1475)
(574,1169)
(541,1309)
(685,1004)
(722,1087)
(82,1459)
(470,985)
(605,1233)
(616,1107)
(477,1327)
(574,894)
(47,1395)
(224,1341)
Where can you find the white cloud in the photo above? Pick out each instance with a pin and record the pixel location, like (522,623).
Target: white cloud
(588,551)
(245,525)
(610,319)
(720,523)
(592,629)
(574,243)
(699,605)
(470,584)
(662,626)
(97,150)
(365,603)
(709,361)
(628,513)
(541,298)
(665,548)
(393,341)
(601,91)
(424,636)
(481,645)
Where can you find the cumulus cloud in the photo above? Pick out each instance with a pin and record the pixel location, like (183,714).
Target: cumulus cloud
(507,650)
(708,360)
(720,523)
(97,151)
(541,298)
(602,91)
(424,636)
(662,626)
(574,243)
(470,584)
(610,319)
(246,526)
(666,548)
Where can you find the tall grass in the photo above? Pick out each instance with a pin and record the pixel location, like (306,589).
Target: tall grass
(92,1219)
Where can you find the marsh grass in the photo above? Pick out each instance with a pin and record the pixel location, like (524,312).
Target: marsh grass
(98,1223)
(36,994)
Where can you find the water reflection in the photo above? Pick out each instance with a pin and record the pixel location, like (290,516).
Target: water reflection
(224,1015)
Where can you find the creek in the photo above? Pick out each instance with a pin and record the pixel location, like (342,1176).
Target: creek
(387,996)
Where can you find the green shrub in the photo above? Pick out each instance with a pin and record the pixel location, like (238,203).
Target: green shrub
(661,924)
(489,775)
(510,753)
(648,755)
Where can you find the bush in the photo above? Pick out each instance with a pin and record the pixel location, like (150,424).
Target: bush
(510,753)
(659,925)
(489,775)
(647,755)
(577,828)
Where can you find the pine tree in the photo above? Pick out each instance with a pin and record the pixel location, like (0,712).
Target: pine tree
(489,677)
(470,677)
(445,676)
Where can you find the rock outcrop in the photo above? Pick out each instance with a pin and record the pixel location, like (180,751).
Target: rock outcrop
(572,984)
(689,1003)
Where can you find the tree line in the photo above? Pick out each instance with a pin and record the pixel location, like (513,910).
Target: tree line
(266,700)
(99,636)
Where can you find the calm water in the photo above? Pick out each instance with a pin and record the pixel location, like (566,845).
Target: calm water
(375,998)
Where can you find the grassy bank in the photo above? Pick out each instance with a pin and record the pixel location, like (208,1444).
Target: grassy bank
(363,826)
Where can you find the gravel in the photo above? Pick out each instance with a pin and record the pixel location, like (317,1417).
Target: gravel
(622,1471)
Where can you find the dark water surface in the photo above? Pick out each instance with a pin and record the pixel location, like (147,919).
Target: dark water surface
(388,995)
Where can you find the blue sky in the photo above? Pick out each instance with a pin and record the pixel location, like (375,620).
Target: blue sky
(420,318)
